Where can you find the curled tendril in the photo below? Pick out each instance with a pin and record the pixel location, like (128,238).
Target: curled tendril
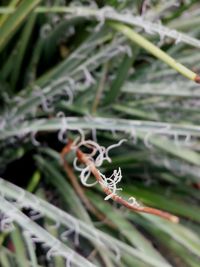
(134,202)
(6,224)
(37,239)
(117,254)
(64,236)
(35,142)
(97,155)
(111,182)
(89,80)
(54,250)
(45,102)
(77,140)
(114,146)
(102,17)
(62,133)
(69,94)
(35,215)
(164,130)
(69,259)
(76,167)
(85,174)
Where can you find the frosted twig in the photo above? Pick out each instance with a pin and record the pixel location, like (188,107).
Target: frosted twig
(134,202)
(80,191)
(109,187)
(111,182)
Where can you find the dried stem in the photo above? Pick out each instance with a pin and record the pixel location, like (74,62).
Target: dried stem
(197,79)
(79,190)
(85,160)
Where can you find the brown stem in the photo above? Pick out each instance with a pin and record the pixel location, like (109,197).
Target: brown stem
(84,159)
(79,190)
(197,79)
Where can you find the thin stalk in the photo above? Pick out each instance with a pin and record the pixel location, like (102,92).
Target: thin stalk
(154,50)
(79,190)
(83,158)
(100,88)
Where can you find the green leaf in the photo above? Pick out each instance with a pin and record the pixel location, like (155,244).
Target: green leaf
(15,20)
(121,76)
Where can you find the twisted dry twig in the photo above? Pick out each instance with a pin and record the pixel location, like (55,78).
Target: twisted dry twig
(79,190)
(83,158)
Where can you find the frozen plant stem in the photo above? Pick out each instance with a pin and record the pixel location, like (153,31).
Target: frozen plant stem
(154,50)
(83,158)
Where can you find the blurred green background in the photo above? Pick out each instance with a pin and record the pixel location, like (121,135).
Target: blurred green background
(65,71)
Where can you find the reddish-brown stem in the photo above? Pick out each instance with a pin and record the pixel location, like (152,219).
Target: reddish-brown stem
(79,190)
(197,79)
(84,159)
(66,149)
